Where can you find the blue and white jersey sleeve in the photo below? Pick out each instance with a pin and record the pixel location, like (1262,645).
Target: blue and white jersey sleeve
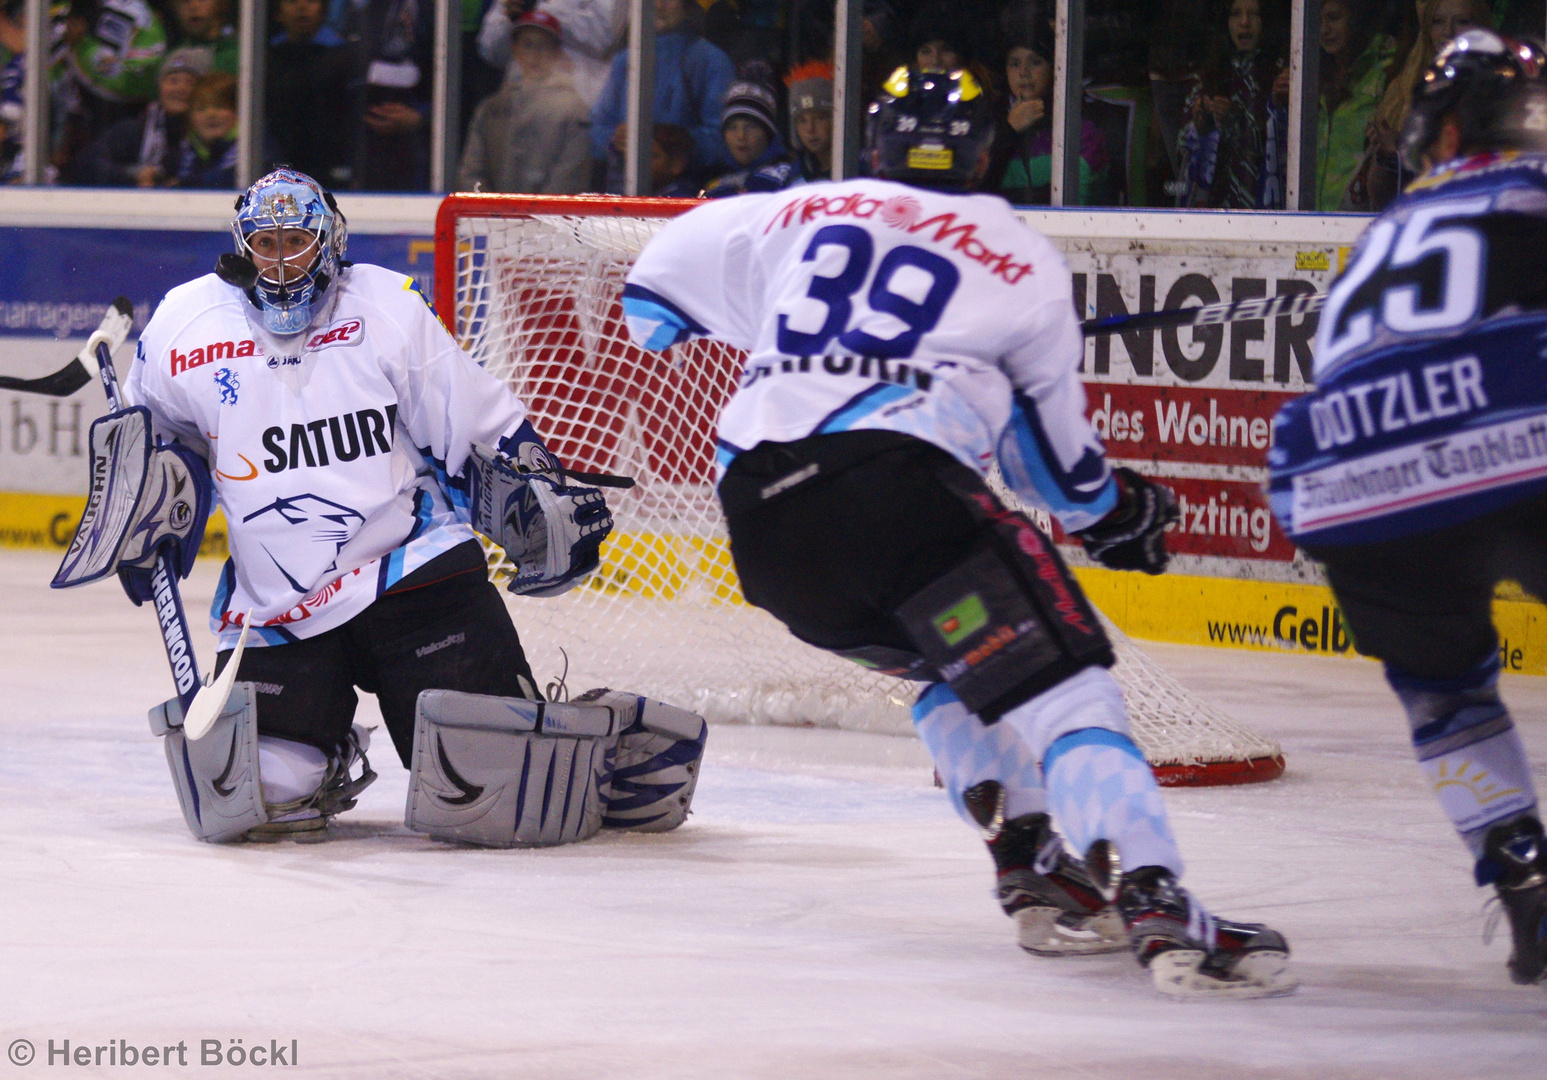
(1048,454)
(446,402)
(694,280)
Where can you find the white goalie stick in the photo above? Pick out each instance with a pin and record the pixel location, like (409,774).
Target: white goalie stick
(1265,307)
(201,702)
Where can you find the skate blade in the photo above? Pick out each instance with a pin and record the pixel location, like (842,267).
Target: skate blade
(1255,975)
(302,831)
(1039,932)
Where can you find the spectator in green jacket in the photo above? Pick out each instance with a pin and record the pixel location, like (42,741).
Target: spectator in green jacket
(112,52)
(1354,59)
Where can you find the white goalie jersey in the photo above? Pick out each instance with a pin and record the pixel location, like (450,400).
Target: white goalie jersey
(336,454)
(873,305)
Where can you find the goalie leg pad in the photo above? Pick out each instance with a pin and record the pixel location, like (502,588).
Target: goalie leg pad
(143,499)
(507,772)
(234,783)
(655,763)
(216,777)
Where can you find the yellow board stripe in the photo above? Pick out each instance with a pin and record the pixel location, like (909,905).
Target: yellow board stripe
(1222,612)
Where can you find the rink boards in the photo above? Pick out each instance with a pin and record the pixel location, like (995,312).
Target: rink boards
(1184,608)
(1191,407)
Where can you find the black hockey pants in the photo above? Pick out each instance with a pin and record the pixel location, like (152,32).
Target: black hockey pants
(835,535)
(1423,603)
(443,627)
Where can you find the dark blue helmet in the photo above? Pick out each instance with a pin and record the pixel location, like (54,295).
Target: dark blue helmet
(1494,88)
(929,128)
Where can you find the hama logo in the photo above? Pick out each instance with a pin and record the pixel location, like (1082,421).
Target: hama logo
(204,354)
(962,619)
(348,332)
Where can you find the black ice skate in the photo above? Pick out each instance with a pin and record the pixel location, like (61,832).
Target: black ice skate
(1056,907)
(1190,953)
(1519,854)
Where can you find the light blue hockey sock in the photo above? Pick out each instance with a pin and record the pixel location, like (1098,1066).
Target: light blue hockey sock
(966,752)
(1469,749)
(1099,787)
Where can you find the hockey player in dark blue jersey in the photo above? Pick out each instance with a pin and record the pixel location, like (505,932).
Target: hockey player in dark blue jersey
(1417,470)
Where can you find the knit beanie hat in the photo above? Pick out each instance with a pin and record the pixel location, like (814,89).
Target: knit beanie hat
(811,87)
(752,100)
(194,59)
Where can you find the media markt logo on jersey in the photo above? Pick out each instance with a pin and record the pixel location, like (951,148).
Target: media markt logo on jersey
(961,620)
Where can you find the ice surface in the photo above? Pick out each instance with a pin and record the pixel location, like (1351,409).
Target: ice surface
(823,913)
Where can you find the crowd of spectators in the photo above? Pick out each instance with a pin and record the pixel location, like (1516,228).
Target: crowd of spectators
(1185,102)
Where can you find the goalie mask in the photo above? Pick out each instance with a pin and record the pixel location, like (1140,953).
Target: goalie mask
(929,128)
(290,240)
(1494,88)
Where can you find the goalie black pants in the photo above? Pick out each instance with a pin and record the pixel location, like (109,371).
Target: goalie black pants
(867,543)
(443,627)
(1423,603)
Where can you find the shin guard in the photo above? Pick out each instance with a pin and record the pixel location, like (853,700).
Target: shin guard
(967,752)
(1100,787)
(1467,745)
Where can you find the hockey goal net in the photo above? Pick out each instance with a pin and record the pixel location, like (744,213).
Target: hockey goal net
(531,287)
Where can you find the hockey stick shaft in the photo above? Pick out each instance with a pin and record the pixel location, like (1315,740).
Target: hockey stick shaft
(1267,307)
(77,373)
(62,383)
(600,479)
(170,616)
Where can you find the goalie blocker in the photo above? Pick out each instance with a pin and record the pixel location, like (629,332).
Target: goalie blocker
(144,498)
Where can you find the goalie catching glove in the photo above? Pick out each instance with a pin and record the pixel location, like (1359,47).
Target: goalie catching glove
(143,498)
(1133,535)
(552,530)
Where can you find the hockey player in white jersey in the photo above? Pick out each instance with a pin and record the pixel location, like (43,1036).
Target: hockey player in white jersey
(901,341)
(354,447)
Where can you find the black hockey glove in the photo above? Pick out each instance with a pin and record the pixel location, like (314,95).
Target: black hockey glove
(1133,535)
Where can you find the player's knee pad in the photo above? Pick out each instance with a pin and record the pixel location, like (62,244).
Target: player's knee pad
(654,767)
(1006,623)
(966,752)
(507,772)
(1468,747)
(221,782)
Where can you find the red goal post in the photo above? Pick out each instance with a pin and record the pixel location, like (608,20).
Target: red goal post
(531,287)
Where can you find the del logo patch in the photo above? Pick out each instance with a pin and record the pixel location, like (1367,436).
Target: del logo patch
(346,332)
(962,619)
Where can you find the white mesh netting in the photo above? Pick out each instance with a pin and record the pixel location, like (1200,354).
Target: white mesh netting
(538,304)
